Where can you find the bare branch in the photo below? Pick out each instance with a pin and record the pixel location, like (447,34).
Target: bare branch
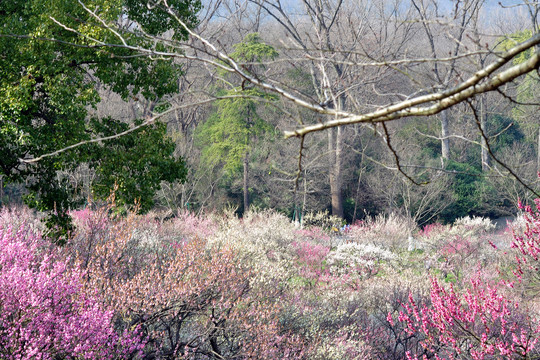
(446,99)
(130,130)
(484,136)
(396,156)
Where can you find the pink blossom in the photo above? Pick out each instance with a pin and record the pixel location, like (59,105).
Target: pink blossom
(44,314)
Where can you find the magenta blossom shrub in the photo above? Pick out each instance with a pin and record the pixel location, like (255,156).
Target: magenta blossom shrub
(44,313)
(479,322)
(310,258)
(433,229)
(528,243)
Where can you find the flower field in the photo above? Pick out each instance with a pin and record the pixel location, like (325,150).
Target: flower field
(219,287)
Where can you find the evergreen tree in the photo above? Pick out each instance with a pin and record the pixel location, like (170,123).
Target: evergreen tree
(48,80)
(229,134)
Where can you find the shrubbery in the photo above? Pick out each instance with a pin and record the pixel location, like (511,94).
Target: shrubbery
(219,287)
(45,312)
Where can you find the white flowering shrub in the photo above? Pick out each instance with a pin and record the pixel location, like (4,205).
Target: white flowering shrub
(469,229)
(345,347)
(364,260)
(264,239)
(18,216)
(390,231)
(475,225)
(518,225)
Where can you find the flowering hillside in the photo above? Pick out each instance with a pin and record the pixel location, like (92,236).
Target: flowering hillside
(219,287)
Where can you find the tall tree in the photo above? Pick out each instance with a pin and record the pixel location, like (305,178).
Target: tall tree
(48,79)
(463,15)
(365,41)
(229,134)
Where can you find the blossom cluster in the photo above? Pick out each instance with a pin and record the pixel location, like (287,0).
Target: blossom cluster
(479,321)
(44,312)
(363,260)
(217,286)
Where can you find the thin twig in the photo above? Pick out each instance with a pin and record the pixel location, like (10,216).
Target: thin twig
(396,156)
(488,148)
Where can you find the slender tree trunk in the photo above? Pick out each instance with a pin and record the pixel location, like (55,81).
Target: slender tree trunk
(335,170)
(304,201)
(246,182)
(360,173)
(486,161)
(337,194)
(445,142)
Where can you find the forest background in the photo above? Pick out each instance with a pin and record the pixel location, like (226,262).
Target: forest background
(77,72)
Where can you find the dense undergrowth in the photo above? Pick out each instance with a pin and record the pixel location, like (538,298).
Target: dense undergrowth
(219,287)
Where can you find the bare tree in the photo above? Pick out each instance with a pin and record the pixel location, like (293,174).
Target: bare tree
(346,53)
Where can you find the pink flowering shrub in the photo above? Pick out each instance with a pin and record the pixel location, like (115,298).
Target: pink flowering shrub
(210,287)
(183,225)
(44,313)
(90,221)
(528,243)
(457,255)
(479,322)
(310,259)
(458,251)
(191,299)
(458,245)
(194,225)
(433,229)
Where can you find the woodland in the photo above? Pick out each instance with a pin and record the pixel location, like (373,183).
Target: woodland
(268,179)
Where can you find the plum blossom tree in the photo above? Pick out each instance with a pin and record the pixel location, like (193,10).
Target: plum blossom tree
(44,312)
(481,322)
(190,299)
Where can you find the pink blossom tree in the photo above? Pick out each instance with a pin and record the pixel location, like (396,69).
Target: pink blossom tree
(527,243)
(44,314)
(191,299)
(479,323)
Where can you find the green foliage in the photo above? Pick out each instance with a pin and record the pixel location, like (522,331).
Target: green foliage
(47,87)
(528,89)
(156,20)
(252,49)
(514,39)
(228,135)
(525,115)
(506,131)
(466,190)
(135,164)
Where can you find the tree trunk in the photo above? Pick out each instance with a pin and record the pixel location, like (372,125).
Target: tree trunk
(445,141)
(360,173)
(335,170)
(246,182)
(486,161)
